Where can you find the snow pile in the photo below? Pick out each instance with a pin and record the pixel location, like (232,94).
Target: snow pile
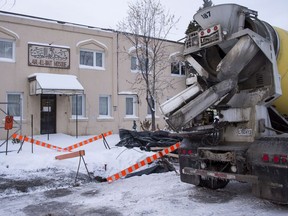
(155,194)
(101,161)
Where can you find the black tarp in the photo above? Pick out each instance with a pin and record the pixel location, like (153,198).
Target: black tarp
(146,139)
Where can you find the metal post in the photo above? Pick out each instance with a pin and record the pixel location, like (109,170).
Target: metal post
(86,167)
(7,141)
(32,131)
(105,142)
(21,112)
(48,116)
(7,138)
(76,116)
(22,142)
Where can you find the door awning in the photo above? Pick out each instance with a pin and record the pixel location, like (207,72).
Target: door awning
(60,84)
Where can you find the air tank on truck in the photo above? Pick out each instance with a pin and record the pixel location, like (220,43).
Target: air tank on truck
(232,115)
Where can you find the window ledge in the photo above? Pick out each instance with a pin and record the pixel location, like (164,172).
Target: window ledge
(178,75)
(105,118)
(7,60)
(80,119)
(135,71)
(91,68)
(131,117)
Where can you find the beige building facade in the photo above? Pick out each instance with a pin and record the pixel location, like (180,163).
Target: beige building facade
(58,77)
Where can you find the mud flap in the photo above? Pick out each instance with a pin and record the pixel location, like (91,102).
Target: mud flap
(185,161)
(272,174)
(190,179)
(272,184)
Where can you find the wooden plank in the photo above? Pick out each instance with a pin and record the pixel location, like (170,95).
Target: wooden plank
(173,155)
(70,155)
(156,148)
(161,148)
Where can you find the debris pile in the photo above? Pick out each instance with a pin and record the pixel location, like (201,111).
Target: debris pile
(150,141)
(146,139)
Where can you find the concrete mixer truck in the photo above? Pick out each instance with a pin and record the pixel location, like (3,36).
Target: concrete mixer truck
(233,114)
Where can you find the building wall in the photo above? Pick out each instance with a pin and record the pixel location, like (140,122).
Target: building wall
(115,78)
(127,79)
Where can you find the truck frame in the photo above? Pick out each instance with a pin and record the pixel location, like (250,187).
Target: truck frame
(228,116)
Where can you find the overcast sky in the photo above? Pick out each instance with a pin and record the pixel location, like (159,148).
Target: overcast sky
(107,13)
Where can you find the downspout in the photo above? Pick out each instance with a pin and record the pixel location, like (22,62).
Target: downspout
(117,72)
(76,115)
(117,62)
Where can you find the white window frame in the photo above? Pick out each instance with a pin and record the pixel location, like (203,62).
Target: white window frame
(137,70)
(16,117)
(180,65)
(12,59)
(136,64)
(83,105)
(134,102)
(108,106)
(94,66)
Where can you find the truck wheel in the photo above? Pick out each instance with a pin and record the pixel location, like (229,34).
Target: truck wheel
(213,183)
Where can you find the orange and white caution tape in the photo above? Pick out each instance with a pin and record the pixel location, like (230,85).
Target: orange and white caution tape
(143,162)
(37,142)
(85,142)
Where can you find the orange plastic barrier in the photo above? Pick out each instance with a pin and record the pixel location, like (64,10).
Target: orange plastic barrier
(37,142)
(85,142)
(143,162)
(70,155)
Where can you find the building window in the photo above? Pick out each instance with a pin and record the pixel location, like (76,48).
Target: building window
(92,59)
(78,105)
(6,50)
(178,68)
(104,106)
(131,106)
(138,65)
(134,63)
(14,104)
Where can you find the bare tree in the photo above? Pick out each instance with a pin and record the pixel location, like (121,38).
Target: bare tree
(206,3)
(148,25)
(193,25)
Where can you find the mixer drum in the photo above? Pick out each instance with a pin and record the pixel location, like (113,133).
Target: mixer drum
(281,103)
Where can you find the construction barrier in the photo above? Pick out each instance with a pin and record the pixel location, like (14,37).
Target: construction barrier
(147,160)
(85,142)
(37,142)
(79,154)
(70,155)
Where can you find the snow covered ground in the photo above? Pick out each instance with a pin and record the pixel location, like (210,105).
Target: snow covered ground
(38,184)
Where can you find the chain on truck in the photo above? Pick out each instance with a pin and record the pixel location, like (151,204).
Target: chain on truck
(232,113)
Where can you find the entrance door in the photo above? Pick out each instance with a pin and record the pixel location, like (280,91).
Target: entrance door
(48,114)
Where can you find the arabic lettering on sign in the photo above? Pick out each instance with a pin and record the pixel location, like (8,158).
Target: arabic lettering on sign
(48,56)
